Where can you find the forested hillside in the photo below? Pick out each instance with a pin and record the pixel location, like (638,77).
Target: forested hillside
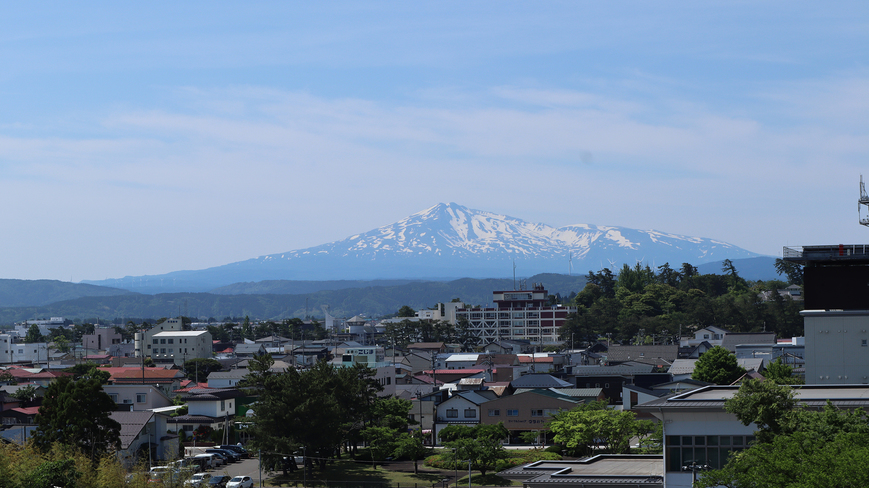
(372,301)
(641,305)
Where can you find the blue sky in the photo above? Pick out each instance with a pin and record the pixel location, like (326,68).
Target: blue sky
(146,138)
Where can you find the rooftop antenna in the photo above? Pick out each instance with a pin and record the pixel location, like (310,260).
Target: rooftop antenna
(514,274)
(864,200)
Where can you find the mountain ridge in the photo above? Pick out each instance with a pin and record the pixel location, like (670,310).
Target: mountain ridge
(448,241)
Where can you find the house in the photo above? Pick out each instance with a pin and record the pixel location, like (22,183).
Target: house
(168,380)
(539,380)
(249,350)
(654,355)
(226,379)
(207,407)
(734,339)
(527,411)
(174,324)
(141,431)
(710,334)
(462,408)
(137,397)
(612,378)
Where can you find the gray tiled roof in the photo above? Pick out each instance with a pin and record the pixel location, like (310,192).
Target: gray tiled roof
(734,339)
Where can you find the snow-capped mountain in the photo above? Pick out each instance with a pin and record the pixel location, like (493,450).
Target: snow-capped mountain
(453,241)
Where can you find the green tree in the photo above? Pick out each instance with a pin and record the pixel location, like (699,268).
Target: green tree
(765,404)
(33,335)
(717,366)
(582,429)
(410,445)
(89,370)
(52,474)
(76,413)
(782,374)
(793,271)
(406,311)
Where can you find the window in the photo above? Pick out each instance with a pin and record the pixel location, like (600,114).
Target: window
(188,428)
(536,412)
(156,341)
(223,404)
(163,350)
(114,397)
(162,341)
(606,385)
(470,413)
(494,412)
(452,413)
(863,343)
(170,349)
(171,340)
(711,449)
(141,397)
(512,413)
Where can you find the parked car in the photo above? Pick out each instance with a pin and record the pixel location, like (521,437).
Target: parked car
(198,480)
(237,449)
(213,460)
(218,481)
(227,457)
(240,482)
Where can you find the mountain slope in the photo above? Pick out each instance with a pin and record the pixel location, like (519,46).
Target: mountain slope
(451,241)
(23,293)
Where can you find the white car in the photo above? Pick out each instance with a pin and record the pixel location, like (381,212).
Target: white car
(240,482)
(198,480)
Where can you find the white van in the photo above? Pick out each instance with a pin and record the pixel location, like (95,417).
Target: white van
(212,460)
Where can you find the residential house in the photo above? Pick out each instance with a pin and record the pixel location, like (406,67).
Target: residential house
(137,397)
(142,431)
(527,411)
(207,407)
(226,379)
(462,408)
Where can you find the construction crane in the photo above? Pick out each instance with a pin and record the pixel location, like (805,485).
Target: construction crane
(864,200)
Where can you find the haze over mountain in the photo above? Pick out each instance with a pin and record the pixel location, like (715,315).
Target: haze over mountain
(449,241)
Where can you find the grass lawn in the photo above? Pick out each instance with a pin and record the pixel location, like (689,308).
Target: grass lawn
(393,474)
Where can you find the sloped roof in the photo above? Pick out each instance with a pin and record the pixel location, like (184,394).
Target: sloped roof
(539,380)
(132,424)
(656,355)
(734,339)
(682,366)
(211,394)
(617,370)
(232,374)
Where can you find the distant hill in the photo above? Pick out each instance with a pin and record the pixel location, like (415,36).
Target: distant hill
(289,287)
(22,293)
(759,268)
(372,301)
(450,241)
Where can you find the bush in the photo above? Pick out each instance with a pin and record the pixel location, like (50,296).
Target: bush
(556,449)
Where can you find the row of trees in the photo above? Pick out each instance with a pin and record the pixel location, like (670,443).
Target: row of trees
(641,305)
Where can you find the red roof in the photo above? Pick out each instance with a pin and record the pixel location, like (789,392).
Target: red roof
(26,410)
(132,373)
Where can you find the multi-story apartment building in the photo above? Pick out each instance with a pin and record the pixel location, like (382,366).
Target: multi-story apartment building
(517,314)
